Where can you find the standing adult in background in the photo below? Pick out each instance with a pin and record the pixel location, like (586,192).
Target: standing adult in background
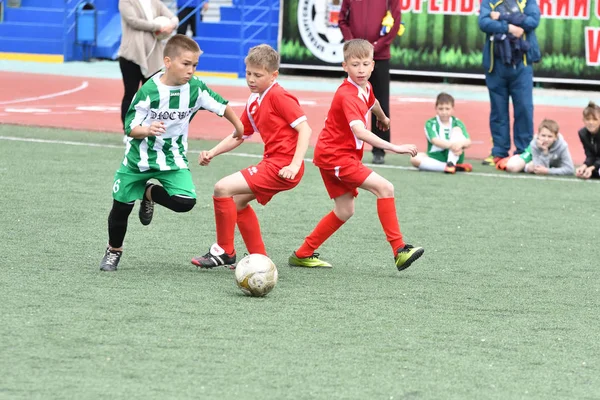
(188,7)
(361,19)
(510,49)
(140,53)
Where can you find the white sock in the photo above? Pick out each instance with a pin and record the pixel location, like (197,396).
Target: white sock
(455,135)
(430,164)
(453,158)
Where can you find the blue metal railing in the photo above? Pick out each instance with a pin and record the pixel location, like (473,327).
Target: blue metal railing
(194,14)
(255,25)
(69,27)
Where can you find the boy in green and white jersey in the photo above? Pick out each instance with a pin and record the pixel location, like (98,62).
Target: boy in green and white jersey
(157,126)
(447,139)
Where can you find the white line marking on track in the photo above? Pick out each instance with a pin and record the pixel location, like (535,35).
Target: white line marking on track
(98,108)
(27,110)
(248,155)
(63,113)
(83,85)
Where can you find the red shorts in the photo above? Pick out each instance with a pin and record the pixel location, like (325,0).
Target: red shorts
(264,179)
(344,179)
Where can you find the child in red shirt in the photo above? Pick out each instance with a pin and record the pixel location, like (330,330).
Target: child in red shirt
(276,115)
(338,155)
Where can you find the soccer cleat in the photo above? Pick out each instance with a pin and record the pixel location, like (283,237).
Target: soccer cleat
(491,160)
(215,257)
(407,255)
(308,262)
(501,165)
(110,261)
(464,167)
(450,168)
(146,207)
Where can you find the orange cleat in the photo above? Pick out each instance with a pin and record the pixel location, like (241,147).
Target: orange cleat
(501,165)
(450,168)
(465,167)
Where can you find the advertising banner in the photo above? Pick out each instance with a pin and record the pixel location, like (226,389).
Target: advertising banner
(442,37)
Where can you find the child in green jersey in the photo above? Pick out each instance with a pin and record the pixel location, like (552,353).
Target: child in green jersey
(156,126)
(447,139)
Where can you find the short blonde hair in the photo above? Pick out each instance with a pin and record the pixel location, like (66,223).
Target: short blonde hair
(179,43)
(263,56)
(549,124)
(357,48)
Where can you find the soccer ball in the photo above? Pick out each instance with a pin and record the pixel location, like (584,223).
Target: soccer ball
(163,22)
(256,275)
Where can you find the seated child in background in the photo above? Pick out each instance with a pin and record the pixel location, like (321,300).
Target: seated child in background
(547,154)
(447,138)
(550,152)
(591,143)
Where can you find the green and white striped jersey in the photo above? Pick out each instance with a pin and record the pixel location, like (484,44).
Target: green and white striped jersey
(175,106)
(434,128)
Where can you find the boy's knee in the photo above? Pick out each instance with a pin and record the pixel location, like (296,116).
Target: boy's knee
(120,211)
(386,190)
(183,204)
(221,189)
(345,213)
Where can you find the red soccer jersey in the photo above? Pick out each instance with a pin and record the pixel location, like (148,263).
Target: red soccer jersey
(274,116)
(337,144)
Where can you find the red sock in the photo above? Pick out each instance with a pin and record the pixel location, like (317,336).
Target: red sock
(250,230)
(324,229)
(386,209)
(225,217)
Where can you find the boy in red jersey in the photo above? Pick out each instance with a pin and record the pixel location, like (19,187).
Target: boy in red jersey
(276,115)
(338,155)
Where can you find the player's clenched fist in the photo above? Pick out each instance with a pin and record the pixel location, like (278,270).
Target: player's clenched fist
(289,172)
(157,128)
(204,158)
(406,149)
(383,124)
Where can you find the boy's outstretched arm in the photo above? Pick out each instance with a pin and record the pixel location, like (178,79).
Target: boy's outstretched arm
(225,145)
(367,136)
(304,132)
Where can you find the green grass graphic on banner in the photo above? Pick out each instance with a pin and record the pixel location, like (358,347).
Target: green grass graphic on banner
(449,42)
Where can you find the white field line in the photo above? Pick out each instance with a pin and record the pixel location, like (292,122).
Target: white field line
(235,154)
(83,85)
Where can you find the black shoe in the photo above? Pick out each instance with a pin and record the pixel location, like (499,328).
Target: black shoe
(378,159)
(215,257)
(146,207)
(110,261)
